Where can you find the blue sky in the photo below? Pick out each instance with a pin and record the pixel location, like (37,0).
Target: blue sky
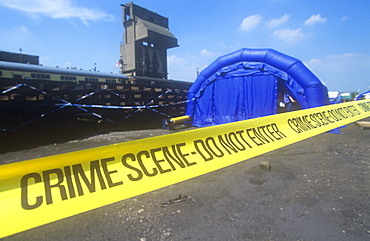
(332,37)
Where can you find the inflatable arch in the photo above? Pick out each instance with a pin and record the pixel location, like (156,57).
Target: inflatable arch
(247,84)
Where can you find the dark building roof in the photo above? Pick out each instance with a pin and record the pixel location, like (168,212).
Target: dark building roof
(19,58)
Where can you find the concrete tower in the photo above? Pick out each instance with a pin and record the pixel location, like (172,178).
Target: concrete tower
(146,39)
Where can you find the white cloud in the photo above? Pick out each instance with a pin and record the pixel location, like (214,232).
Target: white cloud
(338,71)
(23,30)
(313,62)
(174,60)
(289,36)
(250,22)
(314,19)
(187,67)
(55,9)
(278,21)
(338,62)
(206,53)
(344,18)
(45,59)
(341,62)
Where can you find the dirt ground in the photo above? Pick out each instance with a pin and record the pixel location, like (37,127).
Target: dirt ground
(317,189)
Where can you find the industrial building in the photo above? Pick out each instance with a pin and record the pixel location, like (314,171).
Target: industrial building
(146,39)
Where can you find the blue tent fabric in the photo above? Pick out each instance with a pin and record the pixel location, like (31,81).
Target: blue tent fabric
(235,104)
(244,85)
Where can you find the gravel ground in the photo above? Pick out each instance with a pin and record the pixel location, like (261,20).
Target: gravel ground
(317,189)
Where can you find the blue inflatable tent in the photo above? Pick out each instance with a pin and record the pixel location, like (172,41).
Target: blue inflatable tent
(247,83)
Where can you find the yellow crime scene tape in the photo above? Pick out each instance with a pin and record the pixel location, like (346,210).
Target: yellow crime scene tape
(43,190)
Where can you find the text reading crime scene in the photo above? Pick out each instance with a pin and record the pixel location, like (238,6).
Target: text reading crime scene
(76,180)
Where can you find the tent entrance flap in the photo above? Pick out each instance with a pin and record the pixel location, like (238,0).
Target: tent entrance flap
(236,98)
